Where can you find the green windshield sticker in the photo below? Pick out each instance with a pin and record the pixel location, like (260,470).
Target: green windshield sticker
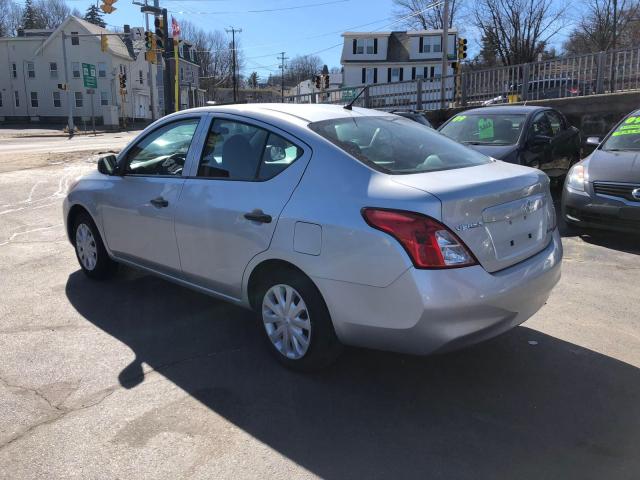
(485,128)
(459,118)
(631,126)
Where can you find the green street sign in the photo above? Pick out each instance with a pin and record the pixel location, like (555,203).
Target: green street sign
(348,94)
(89,75)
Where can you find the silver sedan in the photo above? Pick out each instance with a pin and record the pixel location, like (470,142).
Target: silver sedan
(337,226)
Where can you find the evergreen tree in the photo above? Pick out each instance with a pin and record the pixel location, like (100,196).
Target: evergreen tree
(31,18)
(94,16)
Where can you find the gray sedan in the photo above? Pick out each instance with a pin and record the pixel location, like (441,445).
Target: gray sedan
(336,225)
(603,190)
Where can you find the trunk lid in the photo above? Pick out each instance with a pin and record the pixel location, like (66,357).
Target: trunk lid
(502,212)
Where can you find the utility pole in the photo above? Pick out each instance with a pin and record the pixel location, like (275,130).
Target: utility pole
(282,58)
(66,82)
(233,31)
(445,52)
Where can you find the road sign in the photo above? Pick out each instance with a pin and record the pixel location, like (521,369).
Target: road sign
(348,94)
(89,75)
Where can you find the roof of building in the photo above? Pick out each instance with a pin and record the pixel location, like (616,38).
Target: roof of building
(115,44)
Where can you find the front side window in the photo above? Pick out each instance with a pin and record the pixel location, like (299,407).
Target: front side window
(557,125)
(164,151)
(486,129)
(238,151)
(75,68)
(540,126)
(31,70)
(34,99)
(396,145)
(56,99)
(626,136)
(78,96)
(53,69)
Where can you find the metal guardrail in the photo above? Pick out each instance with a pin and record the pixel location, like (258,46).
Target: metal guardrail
(565,77)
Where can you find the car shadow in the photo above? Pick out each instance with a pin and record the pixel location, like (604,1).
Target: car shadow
(524,405)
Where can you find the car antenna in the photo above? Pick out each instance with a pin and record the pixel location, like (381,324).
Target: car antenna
(349,106)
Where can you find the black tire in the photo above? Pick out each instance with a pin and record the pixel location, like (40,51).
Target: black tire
(104,265)
(324,346)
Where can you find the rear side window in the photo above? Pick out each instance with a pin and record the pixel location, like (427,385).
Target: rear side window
(396,145)
(239,151)
(488,128)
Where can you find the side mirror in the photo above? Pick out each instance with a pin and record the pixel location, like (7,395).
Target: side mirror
(593,141)
(107,165)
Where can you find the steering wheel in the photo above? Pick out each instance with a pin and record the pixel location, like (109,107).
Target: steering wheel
(173,164)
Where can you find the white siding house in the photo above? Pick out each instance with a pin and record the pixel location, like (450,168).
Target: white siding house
(370,58)
(29,90)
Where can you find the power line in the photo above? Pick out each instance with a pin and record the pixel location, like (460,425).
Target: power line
(263,10)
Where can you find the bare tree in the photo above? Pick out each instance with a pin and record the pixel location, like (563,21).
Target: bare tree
(10,18)
(302,67)
(517,30)
(53,12)
(594,31)
(424,14)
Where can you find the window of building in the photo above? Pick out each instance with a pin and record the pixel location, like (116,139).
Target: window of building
(181,51)
(366,46)
(431,44)
(78,99)
(14,70)
(75,40)
(140,77)
(56,99)
(34,99)
(369,75)
(17,98)
(0,99)
(395,74)
(181,73)
(31,70)
(192,55)
(53,69)
(102,69)
(104,98)
(75,68)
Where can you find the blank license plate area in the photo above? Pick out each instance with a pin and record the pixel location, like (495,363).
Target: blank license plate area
(517,227)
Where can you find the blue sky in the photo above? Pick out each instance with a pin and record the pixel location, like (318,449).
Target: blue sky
(297,31)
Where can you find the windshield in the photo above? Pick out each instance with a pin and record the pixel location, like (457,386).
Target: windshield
(396,145)
(485,129)
(626,136)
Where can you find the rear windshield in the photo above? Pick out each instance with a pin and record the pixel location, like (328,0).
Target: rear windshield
(626,136)
(396,145)
(486,129)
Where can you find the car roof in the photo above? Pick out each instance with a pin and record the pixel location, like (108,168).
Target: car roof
(308,112)
(518,109)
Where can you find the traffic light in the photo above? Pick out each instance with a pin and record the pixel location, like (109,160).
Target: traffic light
(107,6)
(123,81)
(148,41)
(326,80)
(317,80)
(462,48)
(160,33)
(104,43)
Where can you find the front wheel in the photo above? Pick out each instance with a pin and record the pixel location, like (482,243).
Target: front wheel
(92,256)
(296,322)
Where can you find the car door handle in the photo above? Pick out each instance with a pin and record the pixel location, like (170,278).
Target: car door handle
(258,216)
(159,202)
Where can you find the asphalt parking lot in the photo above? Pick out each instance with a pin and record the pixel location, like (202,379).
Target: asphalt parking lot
(139,378)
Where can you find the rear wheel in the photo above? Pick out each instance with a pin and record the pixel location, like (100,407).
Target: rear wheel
(92,256)
(296,322)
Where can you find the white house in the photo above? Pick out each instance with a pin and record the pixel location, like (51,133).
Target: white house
(29,92)
(370,58)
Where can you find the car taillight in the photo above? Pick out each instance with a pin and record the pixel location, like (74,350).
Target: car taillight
(429,243)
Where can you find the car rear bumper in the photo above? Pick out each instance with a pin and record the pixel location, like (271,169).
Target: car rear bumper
(582,209)
(426,311)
